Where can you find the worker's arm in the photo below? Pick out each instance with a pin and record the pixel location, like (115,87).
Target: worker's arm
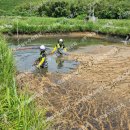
(65,49)
(54,50)
(41,62)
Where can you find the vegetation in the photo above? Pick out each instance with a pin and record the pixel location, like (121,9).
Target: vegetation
(7,6)
(42,11)
(29,25)
(113,9)
(108,9)
(17,111)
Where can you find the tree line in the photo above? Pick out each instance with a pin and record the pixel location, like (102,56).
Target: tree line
(107,9)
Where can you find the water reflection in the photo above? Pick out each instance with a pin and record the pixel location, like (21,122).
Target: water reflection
(26,58)
(60,62)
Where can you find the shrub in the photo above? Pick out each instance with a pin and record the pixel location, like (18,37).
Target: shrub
(54,9)
(112,10)
(119,9)
(25,10)
(2,12)
(81,17)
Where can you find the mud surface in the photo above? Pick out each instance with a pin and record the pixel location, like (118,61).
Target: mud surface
(95,96)
(73,34)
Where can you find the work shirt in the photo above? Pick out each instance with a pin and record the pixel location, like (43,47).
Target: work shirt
(43,60)
(59,48)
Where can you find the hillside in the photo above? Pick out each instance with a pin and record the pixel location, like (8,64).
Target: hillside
(107,9)
(9,5)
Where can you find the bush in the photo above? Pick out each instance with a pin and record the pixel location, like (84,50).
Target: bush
(119,9)
(112,10)
(81,17)
(61,9)
(25,10)
(2,12)
(54,9)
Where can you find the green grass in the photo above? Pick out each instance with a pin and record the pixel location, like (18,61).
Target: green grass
(17,111)
(9,5)
(29,25)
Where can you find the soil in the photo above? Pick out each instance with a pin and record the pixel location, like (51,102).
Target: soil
(95,96)
(69,34)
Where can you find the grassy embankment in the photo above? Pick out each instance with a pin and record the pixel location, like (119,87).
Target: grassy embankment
(17,111)
(29,25)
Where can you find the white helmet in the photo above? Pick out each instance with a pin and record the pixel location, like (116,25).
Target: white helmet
(61,41)
(42,47)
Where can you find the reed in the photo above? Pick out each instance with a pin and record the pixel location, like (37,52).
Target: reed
(18,111)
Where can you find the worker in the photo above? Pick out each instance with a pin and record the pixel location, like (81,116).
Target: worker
(42,59)
(128,38)
(59,48)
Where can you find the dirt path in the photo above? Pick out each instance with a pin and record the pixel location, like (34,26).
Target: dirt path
(71,34)
(96,96)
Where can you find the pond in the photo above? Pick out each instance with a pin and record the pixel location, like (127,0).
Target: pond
(26,57)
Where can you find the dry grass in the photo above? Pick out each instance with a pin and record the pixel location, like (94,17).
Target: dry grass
(68,99)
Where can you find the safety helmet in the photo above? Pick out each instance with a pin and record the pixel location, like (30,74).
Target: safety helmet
(42,47)
(61,41)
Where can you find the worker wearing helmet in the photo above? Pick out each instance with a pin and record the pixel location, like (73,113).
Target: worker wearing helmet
(42,60)
(60,47)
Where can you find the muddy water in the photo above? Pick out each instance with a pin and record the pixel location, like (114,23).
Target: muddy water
(26,58)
